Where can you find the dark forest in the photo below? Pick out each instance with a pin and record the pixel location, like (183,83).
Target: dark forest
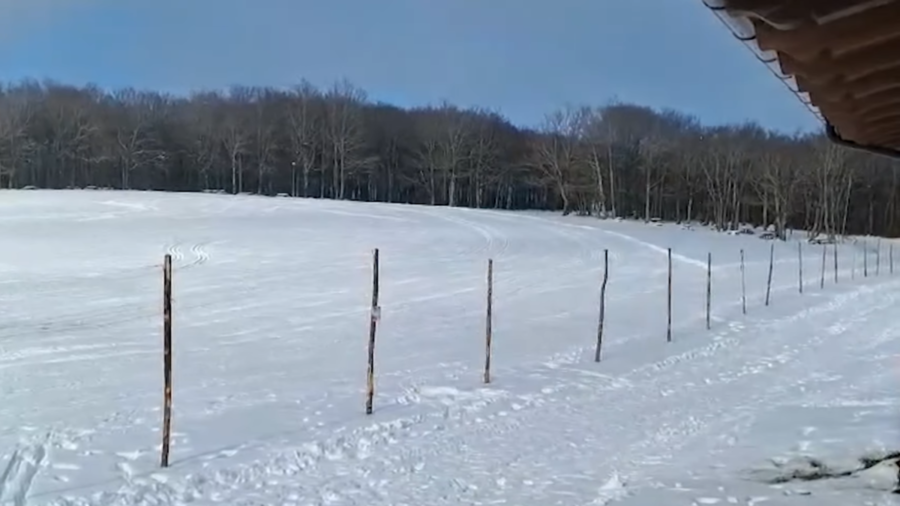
(614,160)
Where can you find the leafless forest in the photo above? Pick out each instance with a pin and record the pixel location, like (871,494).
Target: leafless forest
(615,160)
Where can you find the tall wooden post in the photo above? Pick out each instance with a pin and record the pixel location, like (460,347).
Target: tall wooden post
(865,259)
(489,319)
(374,316)
(878,257)
(824,257)
(743,286)
(800,262)
(835,255)
(167,360)
(891,257)
(771,268)
(708,290)
(669,304)
(602,305)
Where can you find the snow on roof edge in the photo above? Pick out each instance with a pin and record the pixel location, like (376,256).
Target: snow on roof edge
(742,28)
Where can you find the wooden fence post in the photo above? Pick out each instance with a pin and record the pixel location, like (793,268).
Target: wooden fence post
(488,321)
(853,261)
(771,268)
(708,290)
(167,360)
(865,259)
(374,316)
(835,254)
(743,286)
(878,257)
(669,302)
(891,256)
(800,261)
(602,305)
(824,256)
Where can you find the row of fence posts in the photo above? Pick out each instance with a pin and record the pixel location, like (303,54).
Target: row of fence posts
(375,315)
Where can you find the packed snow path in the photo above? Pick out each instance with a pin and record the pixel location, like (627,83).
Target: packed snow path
(271,316)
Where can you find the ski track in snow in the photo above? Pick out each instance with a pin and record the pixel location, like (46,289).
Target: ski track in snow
(270,317)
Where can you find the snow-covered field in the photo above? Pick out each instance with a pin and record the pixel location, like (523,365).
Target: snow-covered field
(271,323)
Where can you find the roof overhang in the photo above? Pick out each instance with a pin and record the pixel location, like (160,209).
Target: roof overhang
(840,57)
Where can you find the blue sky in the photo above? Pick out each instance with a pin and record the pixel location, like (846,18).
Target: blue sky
(522,57)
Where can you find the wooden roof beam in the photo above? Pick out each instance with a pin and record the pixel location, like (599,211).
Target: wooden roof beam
(791,13)
(890,137)
(842,90)
(854,121)
(869,127)
(852,66)
(845,113)
(869,132)
(844,35)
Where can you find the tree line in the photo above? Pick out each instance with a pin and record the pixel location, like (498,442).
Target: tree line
(615,160)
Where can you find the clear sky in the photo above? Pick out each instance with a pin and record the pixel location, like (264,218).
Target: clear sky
(523,57)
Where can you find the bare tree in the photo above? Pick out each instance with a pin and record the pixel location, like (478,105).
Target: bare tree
(134,145)
(345,134)
(71,132)
(829,179)
(453,148)
(556,153)
(598,151)
(235,137)
(484,153)
(774,183)
(16,115)
(305,125)
(266,120)
(203,119)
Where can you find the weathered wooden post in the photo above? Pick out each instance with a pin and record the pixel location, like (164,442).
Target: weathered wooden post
(824,255)
(878,257)
(374,316)
(167,360)
(865,259)
(743,286)
(771,268)
(800,262)
(708,290)
(489,319)
(602,305)
(835,254)
(669,304)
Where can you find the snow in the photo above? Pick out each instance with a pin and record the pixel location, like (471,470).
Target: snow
(271,309)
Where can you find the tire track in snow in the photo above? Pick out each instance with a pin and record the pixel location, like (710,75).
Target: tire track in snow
(586,254)
(701,264)
(198,252)
(200,255)
(489,236)
(496,243)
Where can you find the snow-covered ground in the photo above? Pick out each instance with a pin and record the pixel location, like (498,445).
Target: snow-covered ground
(271,323)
